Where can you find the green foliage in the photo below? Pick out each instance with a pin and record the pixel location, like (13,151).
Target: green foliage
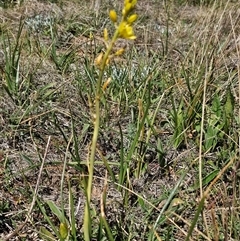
(228,112)
(63,60)
(12,52)
(67,227)
(178,118)
(214,126)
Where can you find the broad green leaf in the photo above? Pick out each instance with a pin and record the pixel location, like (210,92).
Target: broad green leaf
(56,211)
(206,180)
(216,106)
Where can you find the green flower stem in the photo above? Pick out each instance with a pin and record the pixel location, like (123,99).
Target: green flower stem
(97,114)
(96,122)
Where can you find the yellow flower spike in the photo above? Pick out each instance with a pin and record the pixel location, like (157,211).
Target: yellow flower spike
(120,52)
(123,29)
(132,19)
(113,15)
(106,84)
(98,59)
(105,34)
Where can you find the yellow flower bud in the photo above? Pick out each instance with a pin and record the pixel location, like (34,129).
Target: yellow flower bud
(127,8)
(113,15)
(132,18)
(106,84)
(105,34)
(120,52)
(107,61)
(98,60)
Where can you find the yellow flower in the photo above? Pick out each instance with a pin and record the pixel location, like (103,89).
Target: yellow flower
(113,15)
(132,19)
(126,31)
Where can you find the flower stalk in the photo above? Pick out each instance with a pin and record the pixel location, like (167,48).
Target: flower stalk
(123,30)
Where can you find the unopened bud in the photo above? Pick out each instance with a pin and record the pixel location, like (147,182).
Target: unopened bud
(98,60)
(120,52)
(113,15)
